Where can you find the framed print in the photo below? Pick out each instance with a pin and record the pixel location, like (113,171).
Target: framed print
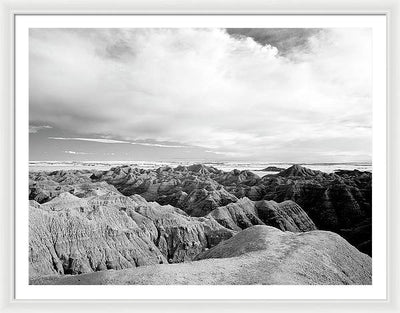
(201,157)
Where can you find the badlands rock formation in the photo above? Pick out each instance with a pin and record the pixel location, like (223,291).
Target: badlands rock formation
(257,255)
(71,235)
(189,188)
(340,202)
(273,169)
(245,213)
(45,186)
(90,221)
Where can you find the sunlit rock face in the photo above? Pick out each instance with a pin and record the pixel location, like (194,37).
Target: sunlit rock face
(340,202)
(244,213)
(87,220)
(71,235)
(258,255)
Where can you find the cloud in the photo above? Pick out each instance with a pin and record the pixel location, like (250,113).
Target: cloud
(34,129)
(74,152)
(103,140)
(237,95)
(287,40)
(157,145)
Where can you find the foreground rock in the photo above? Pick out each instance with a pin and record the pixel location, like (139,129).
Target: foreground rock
(72,235)
(257,255)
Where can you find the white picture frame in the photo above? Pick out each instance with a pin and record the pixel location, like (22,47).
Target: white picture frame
(11,9)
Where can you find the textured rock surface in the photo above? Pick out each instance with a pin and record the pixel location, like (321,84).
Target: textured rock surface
(333,201)
(189,188)
(67,235)
(245,213)
(339,202)
(128,231)
(45,186)
(257,255)
(300,171)
(71,235)
(181,237)
(330,254)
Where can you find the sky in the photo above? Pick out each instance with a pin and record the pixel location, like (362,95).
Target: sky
(269,95)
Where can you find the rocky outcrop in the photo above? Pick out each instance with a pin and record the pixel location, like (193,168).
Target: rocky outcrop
(72,235)
(69,236)
(190,188)
(181,237)
(273,169)
(339,202)
(257,255)
(45,186)
(302,254)
(45,190)
(300,171)
(236,177)
(333,201)
(244,213)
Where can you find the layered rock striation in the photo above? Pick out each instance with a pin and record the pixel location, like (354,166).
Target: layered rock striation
(189,188)
(244,213)
(339,202)
(72,235)
(256,255)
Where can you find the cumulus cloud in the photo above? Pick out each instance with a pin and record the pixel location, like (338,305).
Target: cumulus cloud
(205,87)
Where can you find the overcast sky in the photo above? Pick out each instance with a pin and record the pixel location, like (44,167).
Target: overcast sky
(273,95)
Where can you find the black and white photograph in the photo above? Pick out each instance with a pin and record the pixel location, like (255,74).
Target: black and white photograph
(200,156)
